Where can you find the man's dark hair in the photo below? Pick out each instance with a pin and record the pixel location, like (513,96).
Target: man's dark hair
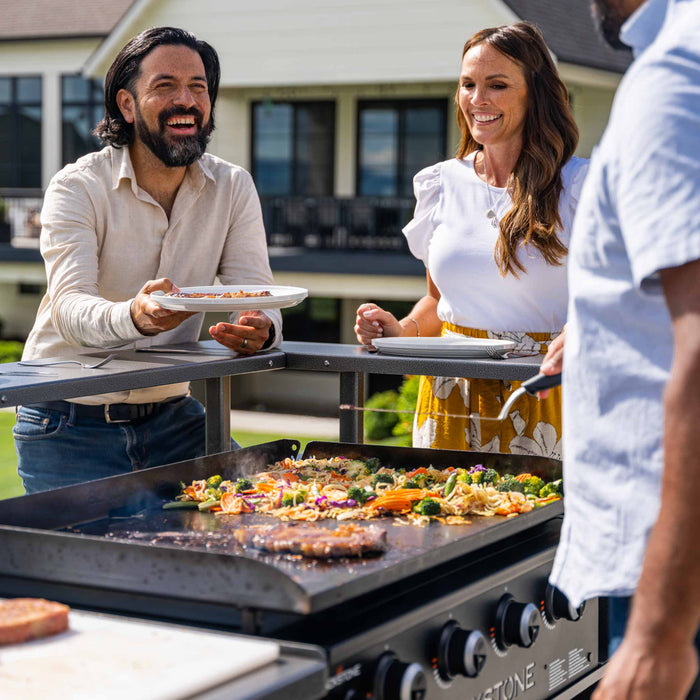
(124,72)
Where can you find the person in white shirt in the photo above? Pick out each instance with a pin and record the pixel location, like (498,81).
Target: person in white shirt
(492,227)
(149,210)
(631,369)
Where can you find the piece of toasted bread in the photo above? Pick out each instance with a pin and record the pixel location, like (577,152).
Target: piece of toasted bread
(22,619)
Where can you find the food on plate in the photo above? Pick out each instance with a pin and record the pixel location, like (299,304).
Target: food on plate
(240,294)
(347,540)
(23,619)
(351,489)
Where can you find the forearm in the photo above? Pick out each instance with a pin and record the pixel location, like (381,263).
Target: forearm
(667,601)
(85,320)
(425,319)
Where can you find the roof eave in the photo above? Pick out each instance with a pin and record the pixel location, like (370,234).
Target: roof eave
(98,62)
(588,75)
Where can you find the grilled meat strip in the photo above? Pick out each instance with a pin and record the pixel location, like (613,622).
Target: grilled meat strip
(346,540)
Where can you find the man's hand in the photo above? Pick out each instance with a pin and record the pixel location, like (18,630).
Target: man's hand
(151,318)
(247,336)
(639,671)
(553,360)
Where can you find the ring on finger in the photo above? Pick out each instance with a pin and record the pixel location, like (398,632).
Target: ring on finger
(244,344)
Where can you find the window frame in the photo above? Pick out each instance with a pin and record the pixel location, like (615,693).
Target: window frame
(14,110)
(401,104)
(294,104)
(90,104)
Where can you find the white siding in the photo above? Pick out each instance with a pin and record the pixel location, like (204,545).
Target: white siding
(316,42)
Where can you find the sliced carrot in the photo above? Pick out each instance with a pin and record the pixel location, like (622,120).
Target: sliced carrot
(420,470)
(409,494)
(522,477)
(262,486)
(290,476)
(340,477)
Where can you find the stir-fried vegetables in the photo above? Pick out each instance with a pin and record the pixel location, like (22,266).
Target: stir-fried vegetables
(347,489)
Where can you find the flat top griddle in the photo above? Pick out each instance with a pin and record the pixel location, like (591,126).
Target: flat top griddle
(113,533)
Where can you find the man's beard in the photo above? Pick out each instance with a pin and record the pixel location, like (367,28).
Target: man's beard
(182,150)
(609,20)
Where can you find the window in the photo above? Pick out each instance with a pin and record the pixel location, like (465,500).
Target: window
(293,146)
(395,140)
(20,132)
(317,318)
(82,106)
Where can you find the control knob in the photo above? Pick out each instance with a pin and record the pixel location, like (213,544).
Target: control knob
(516,623)
(460,652)
(395,680)
(557,606)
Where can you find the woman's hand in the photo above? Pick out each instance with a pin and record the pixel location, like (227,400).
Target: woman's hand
(245,337)
(373,322)
(553,360)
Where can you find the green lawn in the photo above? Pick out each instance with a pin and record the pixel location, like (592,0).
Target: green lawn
(11,484)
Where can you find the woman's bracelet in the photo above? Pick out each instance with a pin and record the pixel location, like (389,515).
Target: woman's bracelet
(410,318)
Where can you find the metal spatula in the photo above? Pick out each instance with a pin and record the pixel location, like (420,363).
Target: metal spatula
(531,386)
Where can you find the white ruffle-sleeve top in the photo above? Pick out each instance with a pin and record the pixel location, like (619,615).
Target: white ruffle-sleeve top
(453,235)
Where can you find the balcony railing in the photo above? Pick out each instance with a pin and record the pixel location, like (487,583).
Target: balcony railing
(330,223)
(337,223)
(23,210)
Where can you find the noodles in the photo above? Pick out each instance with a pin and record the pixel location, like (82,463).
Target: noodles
(345,489)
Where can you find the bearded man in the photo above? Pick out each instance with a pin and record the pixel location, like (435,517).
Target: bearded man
(631,368)
(121,223)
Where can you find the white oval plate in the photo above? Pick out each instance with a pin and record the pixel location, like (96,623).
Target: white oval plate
(282,298)
(447,346)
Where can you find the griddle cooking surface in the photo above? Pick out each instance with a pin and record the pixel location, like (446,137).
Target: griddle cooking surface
(124,540)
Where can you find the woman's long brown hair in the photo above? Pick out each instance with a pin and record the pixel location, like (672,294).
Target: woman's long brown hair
(550,138)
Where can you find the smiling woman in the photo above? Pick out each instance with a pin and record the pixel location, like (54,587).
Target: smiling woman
(492,227)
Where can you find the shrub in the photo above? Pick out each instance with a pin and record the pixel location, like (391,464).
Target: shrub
(378,425)
(11,350)
(408,397)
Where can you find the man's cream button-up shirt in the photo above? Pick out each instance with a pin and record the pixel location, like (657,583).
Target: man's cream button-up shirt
(103,237)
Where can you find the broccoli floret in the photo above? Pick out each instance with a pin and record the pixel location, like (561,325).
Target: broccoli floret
(477,477)
(213,482)
(533,485)
(510,483)
(553,488)
(464,476)
(427,506)
(372,465)
(421,480)
(244,485)
(213,494)
(490,476)
(382,479)
(359,494)
(293,498)
(411,484)
(287,500)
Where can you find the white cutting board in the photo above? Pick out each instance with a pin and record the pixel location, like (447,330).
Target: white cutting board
(113,658)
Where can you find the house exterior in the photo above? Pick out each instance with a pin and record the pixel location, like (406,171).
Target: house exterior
(332,105)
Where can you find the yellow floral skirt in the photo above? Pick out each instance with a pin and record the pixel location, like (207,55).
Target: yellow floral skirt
(442,421)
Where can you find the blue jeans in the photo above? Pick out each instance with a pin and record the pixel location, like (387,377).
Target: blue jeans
(55,449)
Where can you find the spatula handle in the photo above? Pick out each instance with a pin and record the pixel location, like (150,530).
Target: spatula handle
(541,382)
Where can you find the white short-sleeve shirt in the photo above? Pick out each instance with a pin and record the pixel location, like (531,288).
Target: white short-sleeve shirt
(453,236)
(639,213)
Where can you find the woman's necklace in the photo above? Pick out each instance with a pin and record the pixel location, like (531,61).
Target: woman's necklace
(492,213)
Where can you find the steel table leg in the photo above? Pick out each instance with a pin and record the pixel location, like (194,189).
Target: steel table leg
(217,393)
(352,392)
